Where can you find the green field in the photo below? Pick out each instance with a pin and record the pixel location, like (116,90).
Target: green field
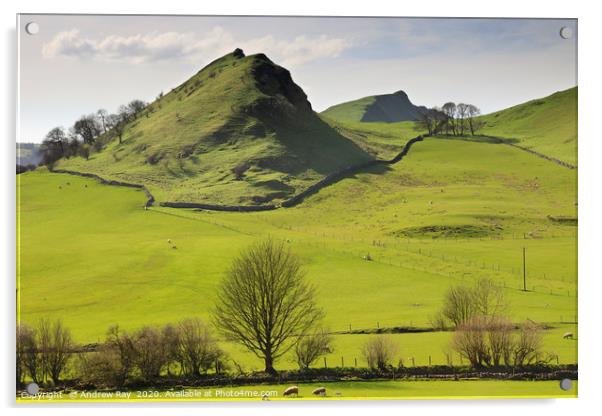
(404,389)
(451,212)
(547,125)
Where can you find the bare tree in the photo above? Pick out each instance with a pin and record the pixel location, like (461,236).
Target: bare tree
(501,343)
(312,346)
(379,351)
(120,353)
(53,146)
(55,347)
(103,116)
(136,107)
(25,348)
(462,115)
(264,302)
(458,305)
(528,345)
(488,298)
(470,341)
(170,340)
(120,120)
(488,341)
(151,355)
(31,356)
(474,124)
(197,348)
(450,109)
(429,119)
(87,128)
(484,298)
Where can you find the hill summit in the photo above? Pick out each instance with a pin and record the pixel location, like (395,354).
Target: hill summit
(240,132)
(388,108)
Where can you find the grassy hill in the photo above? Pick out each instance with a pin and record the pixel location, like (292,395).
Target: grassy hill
(546,125)
(451,212)
(242,112)
(388,108)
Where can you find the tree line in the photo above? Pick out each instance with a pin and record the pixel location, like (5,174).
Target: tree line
(451,119)
(266,305)
(83,136)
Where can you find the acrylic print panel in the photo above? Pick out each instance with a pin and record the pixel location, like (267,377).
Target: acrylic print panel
(295,208)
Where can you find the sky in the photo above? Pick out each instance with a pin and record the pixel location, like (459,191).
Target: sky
(77,64)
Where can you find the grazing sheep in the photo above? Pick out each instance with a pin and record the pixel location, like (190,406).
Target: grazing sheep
(568,335)
(169,240)
(320,391)
(367,257)
(290,391)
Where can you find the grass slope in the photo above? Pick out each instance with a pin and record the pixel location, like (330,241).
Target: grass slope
(238,110)
(546,125)
(388,108)
(451,212)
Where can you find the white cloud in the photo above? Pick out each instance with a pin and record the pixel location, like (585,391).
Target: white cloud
(155,46)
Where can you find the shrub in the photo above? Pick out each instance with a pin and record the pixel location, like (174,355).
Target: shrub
(310,347)
(485,341)
(380,351)
(462,303)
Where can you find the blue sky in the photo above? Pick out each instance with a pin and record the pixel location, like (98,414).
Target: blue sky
(77,64)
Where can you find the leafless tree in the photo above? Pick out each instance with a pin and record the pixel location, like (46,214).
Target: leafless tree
(170,340)
(501,342)
(103,116)
(429,120)
(53,146)
(136,107)
(87,128)
(470,341)
(474,124)
(120,353)
(488,298)
(312,346)
(459,305)
(486,341)
(197,348)
(528,345)
(151,355)
(462,115)
(484,298)
(379,351)
(26,353)
(450,110)
(264,302)
(57,351)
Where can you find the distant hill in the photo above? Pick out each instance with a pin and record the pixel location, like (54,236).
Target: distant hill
(28,154)
(547,125)
(240,131)
(388,108)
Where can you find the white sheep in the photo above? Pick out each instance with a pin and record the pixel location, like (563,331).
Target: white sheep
(320,391)
(291,390)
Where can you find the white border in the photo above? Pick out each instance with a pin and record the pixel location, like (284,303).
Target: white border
(589,184)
